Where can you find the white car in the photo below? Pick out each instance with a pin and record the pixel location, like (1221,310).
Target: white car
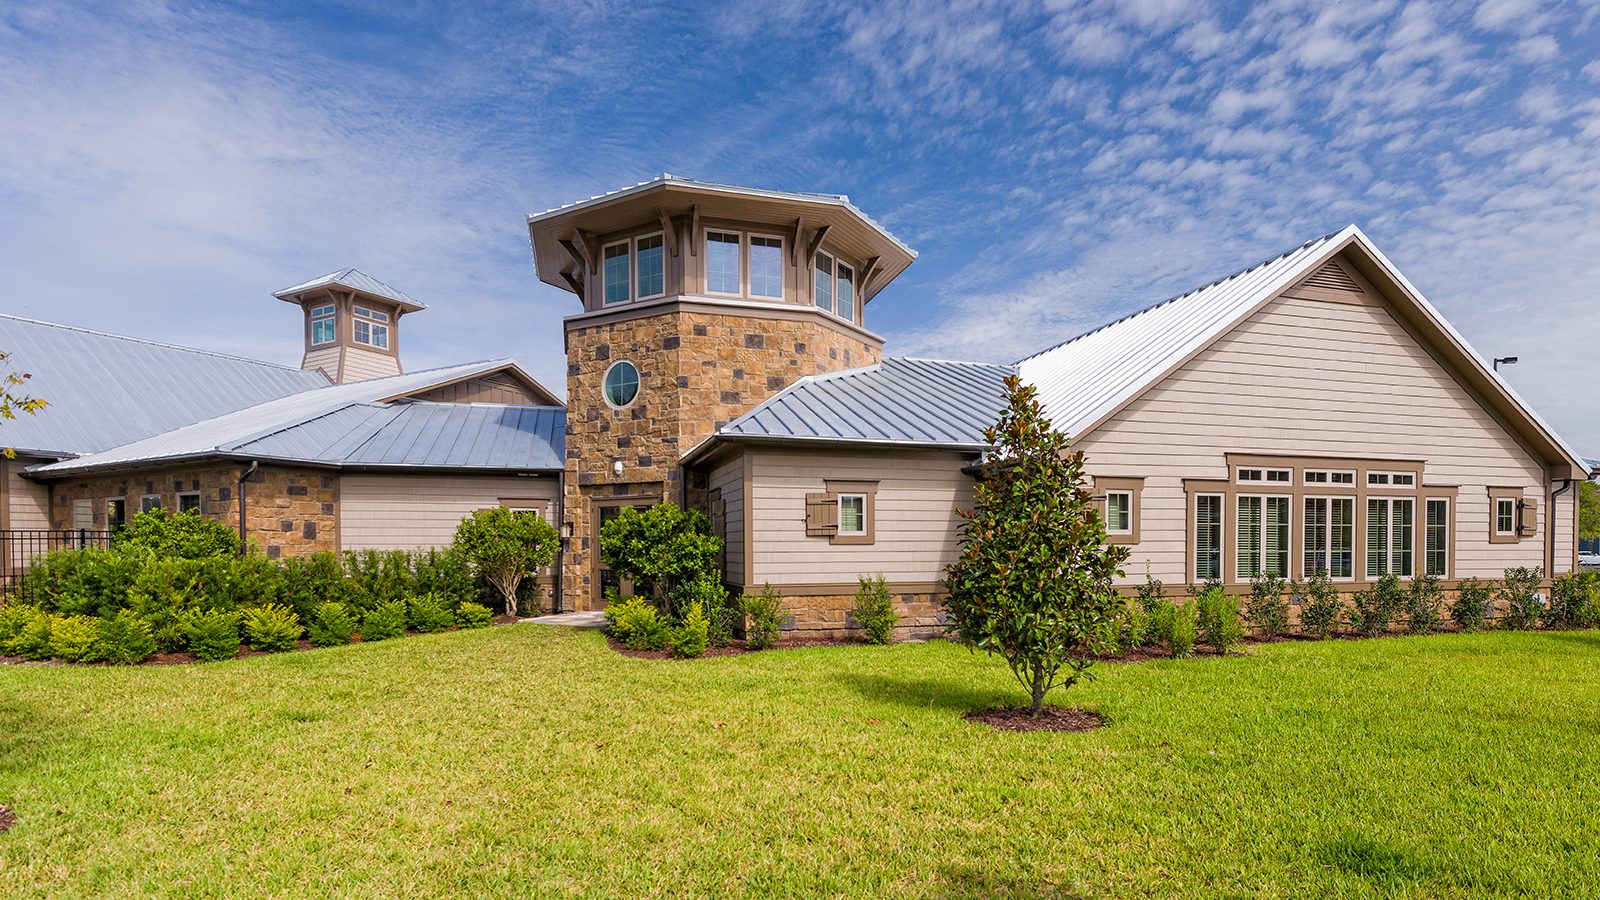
(1589,560)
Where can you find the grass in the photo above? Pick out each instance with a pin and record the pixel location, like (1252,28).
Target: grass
(531,761)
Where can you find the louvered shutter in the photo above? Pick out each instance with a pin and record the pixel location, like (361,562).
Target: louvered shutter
(822,514)
(1527,517)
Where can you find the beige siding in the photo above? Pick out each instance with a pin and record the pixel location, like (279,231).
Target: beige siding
(30,502)
(1315,378)
(1565,531)
(729,479)
(916,527)
(360,365)
(403,512)
(325,358)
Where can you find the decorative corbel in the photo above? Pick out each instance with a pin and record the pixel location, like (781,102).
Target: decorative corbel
(816,242)
(694,230)
(666,226)
(578,256)
(799,235)
(868,272)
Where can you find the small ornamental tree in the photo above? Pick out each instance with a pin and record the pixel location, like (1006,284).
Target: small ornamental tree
(1033,583)
(658,547)
(505,545)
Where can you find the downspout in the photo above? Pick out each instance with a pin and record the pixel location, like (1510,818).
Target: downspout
(561,539)
(1550,529)
(242,478)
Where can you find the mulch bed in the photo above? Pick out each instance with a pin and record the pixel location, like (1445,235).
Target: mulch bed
(738,648)
(1051,718)
(7,818)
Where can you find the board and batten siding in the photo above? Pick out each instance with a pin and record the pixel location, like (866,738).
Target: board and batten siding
(729,479)
(1308,377)
(916,529)
(405,512)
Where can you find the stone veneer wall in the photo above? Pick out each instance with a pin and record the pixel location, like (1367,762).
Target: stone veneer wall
(697,372)
(829,616)
(290,512)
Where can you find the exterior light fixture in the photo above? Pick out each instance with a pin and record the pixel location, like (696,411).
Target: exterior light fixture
(566,530)
(1508,360)
(616,467)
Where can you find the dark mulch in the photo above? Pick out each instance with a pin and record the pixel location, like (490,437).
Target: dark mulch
(1051,718)
(7,818)
(738,648)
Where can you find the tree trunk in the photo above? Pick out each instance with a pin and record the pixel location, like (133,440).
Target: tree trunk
(1038,691)
(507,583)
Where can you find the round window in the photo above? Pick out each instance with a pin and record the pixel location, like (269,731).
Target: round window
(622,384)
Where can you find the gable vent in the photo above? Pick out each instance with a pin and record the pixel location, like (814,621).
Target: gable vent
(1332,278)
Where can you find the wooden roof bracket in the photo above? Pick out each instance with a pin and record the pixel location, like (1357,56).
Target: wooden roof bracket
(799,235)
(816,242)
(672,233)
(575,283)
(868,272)
(578,256)
(694,230)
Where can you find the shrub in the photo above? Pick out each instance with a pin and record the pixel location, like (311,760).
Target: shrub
(308,582)
(73,638)
(1323,607)
(1218,619)
(1268,604)
(875,609)
(331,625)
(32,637)
(383,576)
(14,618)
(212,634)
(1422,604)
(763,617)
(633,621)
(689,637)
(1520,591)
(444,571)
(1472,604)
(384,621)
(126,639)
(1174,625)
(473,615)
(1150,593)
(707,590)
(658,547)
(87,582)
(1131,625)
(1376,607)
(1573,601)
(273,627)
(504,545)
(428,613)
(181,536)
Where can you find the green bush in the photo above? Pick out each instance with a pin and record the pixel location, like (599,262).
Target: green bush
(763,617)
(382,576)
(504,546)
(1131,625)
(707,590)
(445,571)
(331,624)
(30,637)
(384,621)
(688,639)
(274,627)
(1268,604)
(14,619)
(74,638)
(429,613)
(1520,591)
(212,634)
(1423,602)
(633,621)
(182,536)
(658,547)
(1573,601)
(126,639)
(1472,604)
(1375,608)
(1323,607)
(87,582)
(473,615)
(1218,619)
(308,582)
(1174,625)
(1151,592)
(875,609)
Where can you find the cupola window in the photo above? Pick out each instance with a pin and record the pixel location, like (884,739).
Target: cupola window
(367,329)
(323,320)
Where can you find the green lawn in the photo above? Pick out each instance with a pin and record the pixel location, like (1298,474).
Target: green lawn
(532,761)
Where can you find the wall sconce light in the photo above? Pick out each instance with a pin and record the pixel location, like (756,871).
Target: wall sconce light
(616,467)
(566,530)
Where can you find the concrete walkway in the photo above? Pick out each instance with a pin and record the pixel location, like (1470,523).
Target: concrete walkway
(594,619)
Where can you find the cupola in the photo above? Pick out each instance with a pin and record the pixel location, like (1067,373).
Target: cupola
(352,325)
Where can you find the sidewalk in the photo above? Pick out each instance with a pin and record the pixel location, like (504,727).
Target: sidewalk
(594,619)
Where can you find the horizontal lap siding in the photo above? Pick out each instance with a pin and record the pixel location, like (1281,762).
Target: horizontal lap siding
(30,502)
(729,478)
(403,512)
(1312,378)
(360,365)
(916,527)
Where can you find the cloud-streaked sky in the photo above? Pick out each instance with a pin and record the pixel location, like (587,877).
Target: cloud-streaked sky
(165,166)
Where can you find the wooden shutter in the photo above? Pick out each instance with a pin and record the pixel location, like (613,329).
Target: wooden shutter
(1527,517)
(822,514)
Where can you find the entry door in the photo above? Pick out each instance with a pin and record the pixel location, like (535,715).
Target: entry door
(604,577)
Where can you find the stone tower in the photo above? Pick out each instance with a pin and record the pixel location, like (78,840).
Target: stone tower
(352,325)
(699,302)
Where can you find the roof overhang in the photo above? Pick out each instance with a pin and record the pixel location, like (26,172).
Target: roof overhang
(231,458)
(851,229)
(709,447)
(528,383)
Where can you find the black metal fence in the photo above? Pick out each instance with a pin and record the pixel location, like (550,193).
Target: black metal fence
(18,549)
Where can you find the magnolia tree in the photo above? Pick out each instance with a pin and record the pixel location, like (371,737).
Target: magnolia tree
(506,545)
(1033,584)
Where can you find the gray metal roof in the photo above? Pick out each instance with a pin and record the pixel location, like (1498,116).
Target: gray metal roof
(105,390)
(354,279)
(909,402)
(305,426)
(423,435)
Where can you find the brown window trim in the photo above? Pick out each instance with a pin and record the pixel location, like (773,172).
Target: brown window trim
(1133,486)
(869,489)
(1230,490)
(1518,496)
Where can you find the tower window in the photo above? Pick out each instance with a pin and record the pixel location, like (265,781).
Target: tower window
(323,321)
(652,273)
(766,266)
(621,384)
(616,273)
(722,263)
(825,282)
(844,293)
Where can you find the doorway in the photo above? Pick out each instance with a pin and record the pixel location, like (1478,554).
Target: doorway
(603,577)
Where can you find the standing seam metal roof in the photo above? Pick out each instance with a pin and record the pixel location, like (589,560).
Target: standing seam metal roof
(352,278)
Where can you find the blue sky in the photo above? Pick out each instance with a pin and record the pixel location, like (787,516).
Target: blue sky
(164,166)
